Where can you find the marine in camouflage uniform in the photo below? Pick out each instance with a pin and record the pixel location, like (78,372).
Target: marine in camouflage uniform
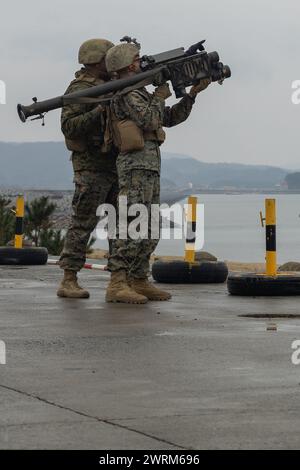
(139,171)
(86,131)
(144,115)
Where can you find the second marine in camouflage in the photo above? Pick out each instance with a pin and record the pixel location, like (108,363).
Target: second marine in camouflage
(138,118)
(87,135)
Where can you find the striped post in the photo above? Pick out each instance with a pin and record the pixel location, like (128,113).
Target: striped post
(271,258)
(100,267)
(191,230)
(19,222)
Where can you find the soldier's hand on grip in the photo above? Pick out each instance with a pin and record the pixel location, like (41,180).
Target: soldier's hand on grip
(202,85)
(163,91)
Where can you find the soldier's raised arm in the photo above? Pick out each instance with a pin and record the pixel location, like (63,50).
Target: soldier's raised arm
(180,111)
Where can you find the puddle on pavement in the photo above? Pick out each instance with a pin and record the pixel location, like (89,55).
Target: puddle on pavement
(165,333)
(284,316)
(271,324)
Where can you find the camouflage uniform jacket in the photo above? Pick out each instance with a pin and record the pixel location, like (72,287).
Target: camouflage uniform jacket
(85,125)
(150,114)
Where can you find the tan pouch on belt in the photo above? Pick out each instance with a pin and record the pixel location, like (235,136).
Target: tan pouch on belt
(161,135)
(158,136)
(128,136)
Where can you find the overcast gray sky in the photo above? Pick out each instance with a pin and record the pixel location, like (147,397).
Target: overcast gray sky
(250,119)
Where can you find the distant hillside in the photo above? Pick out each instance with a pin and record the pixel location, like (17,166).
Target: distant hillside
(46,165)
(293,180)
(220,175)
(35,165)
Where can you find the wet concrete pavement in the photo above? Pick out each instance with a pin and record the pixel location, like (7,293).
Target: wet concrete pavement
(185,374)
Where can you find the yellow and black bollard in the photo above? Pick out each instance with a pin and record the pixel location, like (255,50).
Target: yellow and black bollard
(270,219)
(269,283)
(189,270)
(17,254)
(19,222)
(191,226)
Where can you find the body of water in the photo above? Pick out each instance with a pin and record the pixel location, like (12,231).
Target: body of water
(233,230)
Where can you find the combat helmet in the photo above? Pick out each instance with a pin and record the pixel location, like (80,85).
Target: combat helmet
(121,56)
(93,51)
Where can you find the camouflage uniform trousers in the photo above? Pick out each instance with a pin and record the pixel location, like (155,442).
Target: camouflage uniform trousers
(91,189)
(140,186)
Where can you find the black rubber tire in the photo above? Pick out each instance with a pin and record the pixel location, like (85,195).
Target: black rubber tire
(257,285)
(181,272)
(24,256)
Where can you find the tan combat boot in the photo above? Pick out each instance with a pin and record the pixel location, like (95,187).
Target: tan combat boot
(70,288)
(119,291)
(144,287)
